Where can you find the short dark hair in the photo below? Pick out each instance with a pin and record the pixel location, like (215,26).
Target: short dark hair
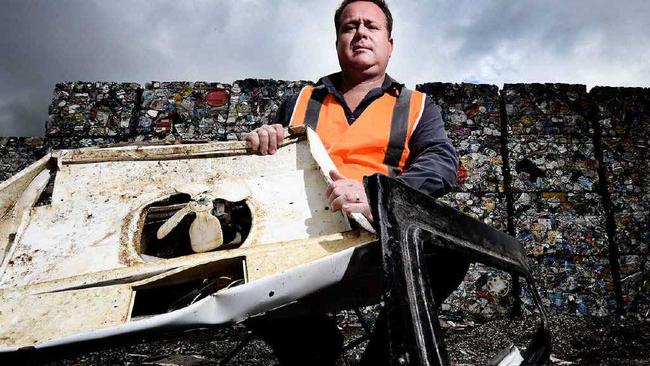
(380,3)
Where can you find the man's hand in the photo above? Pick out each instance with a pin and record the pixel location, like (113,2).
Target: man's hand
(347,195)
(266,139)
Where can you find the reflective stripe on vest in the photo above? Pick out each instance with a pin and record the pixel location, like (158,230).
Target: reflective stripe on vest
(377,142)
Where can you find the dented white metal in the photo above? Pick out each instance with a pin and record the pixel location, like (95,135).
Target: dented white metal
(86,251)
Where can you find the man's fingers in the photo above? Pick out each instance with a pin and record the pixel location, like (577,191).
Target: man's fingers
(333,186)
(336,193)
(336,175)
(264,141)
(279,130)
(253,140)
(337,203)
(362,208)
(273,140)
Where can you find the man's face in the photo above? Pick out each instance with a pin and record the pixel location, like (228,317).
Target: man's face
(363,42)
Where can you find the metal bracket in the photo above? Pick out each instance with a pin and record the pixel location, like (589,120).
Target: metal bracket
(411,224)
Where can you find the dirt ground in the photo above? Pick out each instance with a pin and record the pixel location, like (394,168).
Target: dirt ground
(576,341)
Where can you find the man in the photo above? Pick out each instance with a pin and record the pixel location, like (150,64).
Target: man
(369,123)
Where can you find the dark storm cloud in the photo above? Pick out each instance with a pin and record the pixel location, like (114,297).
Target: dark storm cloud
(44,42)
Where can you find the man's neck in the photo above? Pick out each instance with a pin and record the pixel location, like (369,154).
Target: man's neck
(361,83)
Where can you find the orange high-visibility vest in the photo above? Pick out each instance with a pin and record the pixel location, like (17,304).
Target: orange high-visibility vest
(377,142)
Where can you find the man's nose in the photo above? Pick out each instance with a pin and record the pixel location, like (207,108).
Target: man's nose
(362,31)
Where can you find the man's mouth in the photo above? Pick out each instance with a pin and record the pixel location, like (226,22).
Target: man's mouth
(360,48)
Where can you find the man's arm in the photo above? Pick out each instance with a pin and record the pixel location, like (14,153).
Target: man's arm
(433,163)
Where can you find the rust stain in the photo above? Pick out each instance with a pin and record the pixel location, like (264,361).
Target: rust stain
(125,255)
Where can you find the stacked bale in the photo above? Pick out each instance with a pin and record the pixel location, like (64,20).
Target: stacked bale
(255,102)
(558,214)
(623,116)
(16,153)
(91,113)
(187,110)
(569,195)
(472,120)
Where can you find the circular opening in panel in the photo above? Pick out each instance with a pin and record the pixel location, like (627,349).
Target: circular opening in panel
(235,219)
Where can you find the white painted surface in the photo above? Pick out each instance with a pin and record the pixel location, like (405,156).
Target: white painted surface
(79,233)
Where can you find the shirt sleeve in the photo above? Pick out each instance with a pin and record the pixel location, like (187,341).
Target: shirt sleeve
(432,164)
(285,111)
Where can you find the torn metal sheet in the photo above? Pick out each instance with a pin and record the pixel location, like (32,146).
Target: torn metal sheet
(95,246)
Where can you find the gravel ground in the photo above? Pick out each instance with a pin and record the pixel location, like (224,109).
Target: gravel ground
(576,341)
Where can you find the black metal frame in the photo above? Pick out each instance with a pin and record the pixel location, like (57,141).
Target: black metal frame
(411,224)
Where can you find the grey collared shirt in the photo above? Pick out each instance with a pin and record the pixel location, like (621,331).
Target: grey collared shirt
(432,163)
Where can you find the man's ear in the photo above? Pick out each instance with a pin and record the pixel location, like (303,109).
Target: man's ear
(390,40)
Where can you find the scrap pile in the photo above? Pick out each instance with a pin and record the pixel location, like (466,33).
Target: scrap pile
(209,111)
(471,115)
(256,102)
(558,214)
(189,111)
(623,117)
(16,153)
(577,181)
(91,113)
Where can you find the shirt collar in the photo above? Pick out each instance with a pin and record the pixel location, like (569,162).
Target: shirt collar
(333,82)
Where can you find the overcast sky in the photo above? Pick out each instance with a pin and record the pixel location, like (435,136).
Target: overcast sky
(43,42)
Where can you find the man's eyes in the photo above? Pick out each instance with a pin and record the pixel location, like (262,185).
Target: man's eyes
(351,27)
